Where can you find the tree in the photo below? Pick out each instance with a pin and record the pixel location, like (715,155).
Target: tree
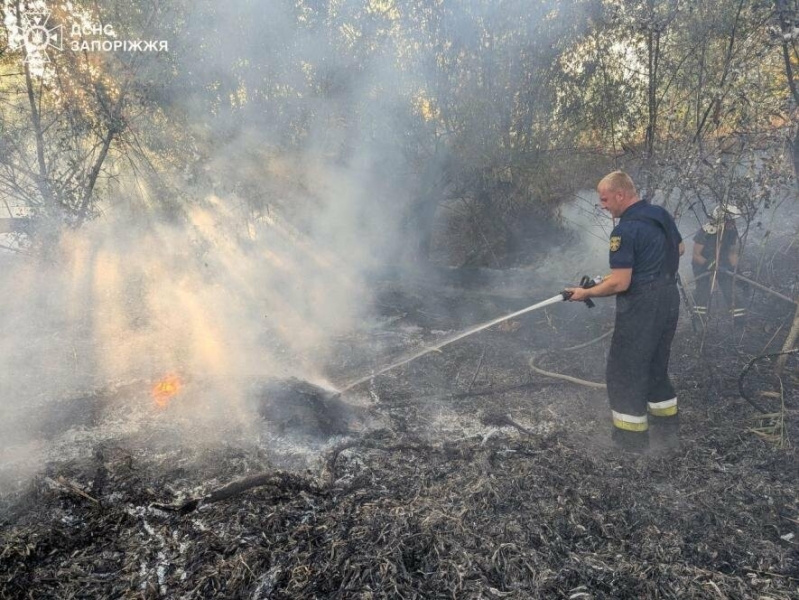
(66,117)
(787,16)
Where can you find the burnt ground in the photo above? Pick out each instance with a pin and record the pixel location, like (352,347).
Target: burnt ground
(433,493)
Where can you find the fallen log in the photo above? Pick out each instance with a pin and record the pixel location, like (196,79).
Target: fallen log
(284,480)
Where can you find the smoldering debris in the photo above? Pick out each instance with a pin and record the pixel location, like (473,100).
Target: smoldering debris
(512,494)
(302,408)
(479,479)
(507,517)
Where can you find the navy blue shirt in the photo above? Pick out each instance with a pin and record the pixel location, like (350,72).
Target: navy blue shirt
(638,243)
(709,241)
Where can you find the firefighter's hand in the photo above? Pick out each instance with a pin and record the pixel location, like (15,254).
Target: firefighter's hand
(576,294)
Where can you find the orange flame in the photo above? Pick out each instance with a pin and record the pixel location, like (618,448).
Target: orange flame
(165,389)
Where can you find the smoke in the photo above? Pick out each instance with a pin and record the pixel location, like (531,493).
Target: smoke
(121,305)
(309,126)
(304,119)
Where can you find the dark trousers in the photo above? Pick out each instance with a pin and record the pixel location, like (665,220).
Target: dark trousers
(723,281)
(637,371)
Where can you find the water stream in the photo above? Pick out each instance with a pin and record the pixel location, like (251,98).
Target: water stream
(450,340)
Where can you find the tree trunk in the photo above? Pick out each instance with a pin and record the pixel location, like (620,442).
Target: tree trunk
(794,144)
(790,341)
(42,176)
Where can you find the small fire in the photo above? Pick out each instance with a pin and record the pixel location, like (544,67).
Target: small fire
(164,390)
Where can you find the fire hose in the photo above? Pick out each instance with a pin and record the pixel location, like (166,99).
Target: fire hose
(746,369)
(586,283)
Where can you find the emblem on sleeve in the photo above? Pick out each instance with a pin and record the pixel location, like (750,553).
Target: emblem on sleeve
(615,243)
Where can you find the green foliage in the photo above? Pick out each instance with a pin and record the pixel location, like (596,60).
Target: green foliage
(73,125)
(503,106)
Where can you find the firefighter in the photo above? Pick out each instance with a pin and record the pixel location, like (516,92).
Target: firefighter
(709,256)
(645,249)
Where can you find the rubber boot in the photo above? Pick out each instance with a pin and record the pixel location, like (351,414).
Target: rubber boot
(630,441)
(665,432)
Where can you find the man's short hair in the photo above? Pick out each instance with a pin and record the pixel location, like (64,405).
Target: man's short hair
(619,181)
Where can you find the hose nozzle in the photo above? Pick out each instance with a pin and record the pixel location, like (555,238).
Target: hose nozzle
(586,282)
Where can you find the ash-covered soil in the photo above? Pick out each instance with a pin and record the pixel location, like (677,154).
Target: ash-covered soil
(464,475)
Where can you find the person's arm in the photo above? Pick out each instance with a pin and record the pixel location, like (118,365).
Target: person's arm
(676,233)
(733,255)
(697,257)
(618,281)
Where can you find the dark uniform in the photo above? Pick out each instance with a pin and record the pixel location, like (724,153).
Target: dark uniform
(708,237)
(646,239)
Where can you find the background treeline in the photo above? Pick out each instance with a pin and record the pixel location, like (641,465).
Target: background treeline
(492,112)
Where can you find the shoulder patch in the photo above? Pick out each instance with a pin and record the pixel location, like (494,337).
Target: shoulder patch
(615,243)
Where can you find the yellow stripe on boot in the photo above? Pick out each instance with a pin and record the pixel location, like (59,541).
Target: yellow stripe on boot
(629,422)
(667,408)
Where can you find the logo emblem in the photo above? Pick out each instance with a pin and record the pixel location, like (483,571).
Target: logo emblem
(30,30)
(615,243)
